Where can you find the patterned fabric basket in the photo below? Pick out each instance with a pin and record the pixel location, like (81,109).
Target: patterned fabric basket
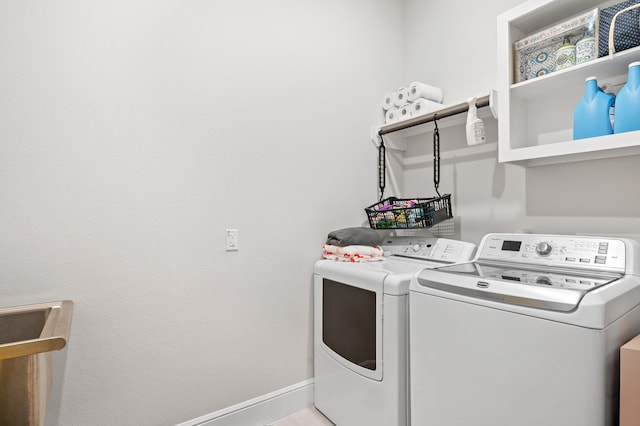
(620,24)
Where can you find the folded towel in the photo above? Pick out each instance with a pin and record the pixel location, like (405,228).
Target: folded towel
(362,236)
(354,253)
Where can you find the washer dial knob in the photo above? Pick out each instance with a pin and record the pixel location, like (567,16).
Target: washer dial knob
(544,280)
(544,249)
(416,247)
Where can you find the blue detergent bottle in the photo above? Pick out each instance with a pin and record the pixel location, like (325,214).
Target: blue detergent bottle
(591,116)
(627,114)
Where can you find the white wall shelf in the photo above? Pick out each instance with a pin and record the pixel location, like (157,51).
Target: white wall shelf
(396,134)
(536,116)
(617,145)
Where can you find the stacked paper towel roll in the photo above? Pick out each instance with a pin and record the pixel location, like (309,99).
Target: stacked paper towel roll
(406,102)
(419,90)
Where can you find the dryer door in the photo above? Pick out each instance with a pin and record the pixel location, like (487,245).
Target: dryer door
(348,321)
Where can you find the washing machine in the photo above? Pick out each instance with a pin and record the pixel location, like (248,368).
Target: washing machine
(527,333)
(360,326)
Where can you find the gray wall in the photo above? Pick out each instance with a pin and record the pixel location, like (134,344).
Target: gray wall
(132,135)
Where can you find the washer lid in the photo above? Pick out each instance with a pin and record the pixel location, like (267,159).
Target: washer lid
(549,288)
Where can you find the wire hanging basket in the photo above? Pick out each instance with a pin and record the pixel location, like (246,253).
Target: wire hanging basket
(400,213)
(408,213)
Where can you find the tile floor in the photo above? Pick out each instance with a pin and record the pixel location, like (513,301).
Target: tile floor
(307,417)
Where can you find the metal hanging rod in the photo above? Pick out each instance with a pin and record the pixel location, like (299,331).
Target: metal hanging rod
(426,118)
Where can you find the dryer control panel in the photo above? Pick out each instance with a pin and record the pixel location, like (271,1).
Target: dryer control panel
(428,248)
(599,253)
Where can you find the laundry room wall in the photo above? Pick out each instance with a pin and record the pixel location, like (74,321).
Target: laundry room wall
(132,135)
(456,51)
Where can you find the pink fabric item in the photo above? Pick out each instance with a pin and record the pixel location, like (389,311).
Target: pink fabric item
(353,253)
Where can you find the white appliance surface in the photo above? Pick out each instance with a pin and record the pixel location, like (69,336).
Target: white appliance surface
(527,333)
(373,392)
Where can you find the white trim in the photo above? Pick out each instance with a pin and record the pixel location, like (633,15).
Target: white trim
(261,410)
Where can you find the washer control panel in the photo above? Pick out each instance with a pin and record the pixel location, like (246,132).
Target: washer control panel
(555,250)
(428,248)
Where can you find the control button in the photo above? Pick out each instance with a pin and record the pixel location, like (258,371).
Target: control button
(604,244)
(584,260)
(570,280)
(602,251)
(416,247)
(544,249)
(585,282)
(601,257)
(601,261)
(570,259)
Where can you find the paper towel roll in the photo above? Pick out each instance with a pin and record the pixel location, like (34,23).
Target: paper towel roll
(405,111)
(424,106)
(392,115)
(388,101)
(420,90)
(401,96)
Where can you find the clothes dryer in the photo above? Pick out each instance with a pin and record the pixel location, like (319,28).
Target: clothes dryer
(360,326)
(526,334)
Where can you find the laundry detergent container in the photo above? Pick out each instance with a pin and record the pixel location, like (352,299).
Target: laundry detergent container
(592,116)
(627,113)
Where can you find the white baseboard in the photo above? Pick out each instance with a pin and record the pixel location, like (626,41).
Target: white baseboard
(261,410)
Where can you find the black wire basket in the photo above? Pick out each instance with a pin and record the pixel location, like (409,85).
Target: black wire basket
(407,213)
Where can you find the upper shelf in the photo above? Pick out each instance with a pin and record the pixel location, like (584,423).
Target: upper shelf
(536,115)
(605,68)
(533,15)
(446,117)
(440,114)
